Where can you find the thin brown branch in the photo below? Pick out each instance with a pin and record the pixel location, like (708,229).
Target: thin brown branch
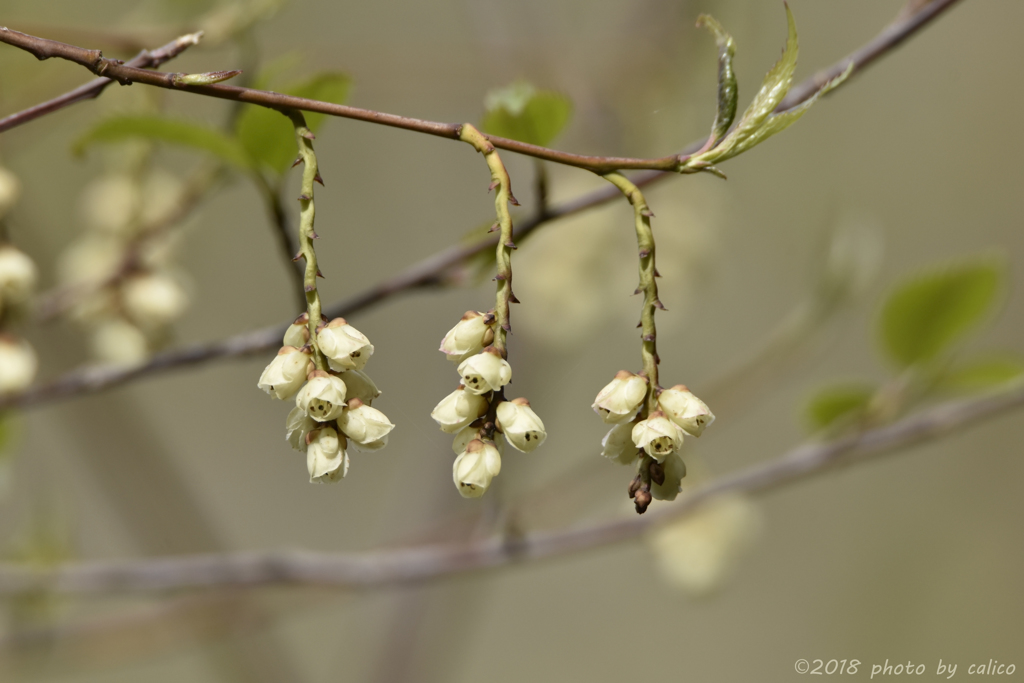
(426,273)
(93,60)
(377,569)
(145,59)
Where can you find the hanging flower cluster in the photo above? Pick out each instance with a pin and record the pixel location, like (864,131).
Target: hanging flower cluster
(332,407)
(477,408)
(119,275)
(654,439)
(18,277)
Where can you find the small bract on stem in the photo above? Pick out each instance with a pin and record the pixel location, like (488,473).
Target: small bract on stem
(321,361)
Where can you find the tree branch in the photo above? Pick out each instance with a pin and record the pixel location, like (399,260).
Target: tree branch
(431,270)
(381,568)
(145,59)
(93,60)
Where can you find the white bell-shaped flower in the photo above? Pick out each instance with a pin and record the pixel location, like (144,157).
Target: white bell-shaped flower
(458,409)
(522,427)
(658,436)
(18,364)
(119,342)
(326,458)
(153,300)
(286,373)
(360,386)
(10,189)
(619,400)
(18,276)
(617,444)
(686,410)
(463,438)
(485,372)
(346,347)
(469,336)
(297,425)
(674,469)
(297,334)
(475,468)
(367,428)
(111,203)
(323,396)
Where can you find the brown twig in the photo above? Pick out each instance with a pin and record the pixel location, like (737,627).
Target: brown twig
(93,60)
(145,59)
(430,271)
(376,569)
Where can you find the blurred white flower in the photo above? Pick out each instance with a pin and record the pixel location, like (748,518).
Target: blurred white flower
(10,190)
(153,300)
(118,341)
(18,276)
(111,204)
(697,553)
(18,364)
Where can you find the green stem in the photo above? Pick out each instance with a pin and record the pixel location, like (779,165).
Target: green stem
(648,284)
(304,137)
(502,197)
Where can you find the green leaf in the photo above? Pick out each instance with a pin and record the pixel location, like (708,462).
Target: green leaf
(166,130)
(926,315)
(521,112)
(982,374)
(269,137)
(727,89)
(839,401)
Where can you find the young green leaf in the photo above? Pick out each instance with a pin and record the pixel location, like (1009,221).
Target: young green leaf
(521,112)
(171,131)
(926,315)
(979,375)
(269,137)
(727,88)
(838,401)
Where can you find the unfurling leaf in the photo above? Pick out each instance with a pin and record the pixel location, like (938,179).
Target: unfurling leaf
(269,137)
(171,131)
(727,88)
(840,401)
(925,316)
(759,122)
(979,375)
(521,112)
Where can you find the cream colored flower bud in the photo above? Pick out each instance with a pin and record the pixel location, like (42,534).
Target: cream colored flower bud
(297,425)
(118,341)
(658,436)
(346,347)
(153,300)
(326,458)
(685,409)
(18,276)
(469,336)
(475,468)
(463,438)
(618,445)
(485,372)
(297,334)
(522,427)
(360,386)
(621,398)
(323,397)
(458,409)
(674,469)
(111,204)
(283,377)
(18,364)
(366,427)
(10,189)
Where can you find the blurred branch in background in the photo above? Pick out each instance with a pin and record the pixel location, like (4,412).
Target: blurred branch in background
(410,565)
(433,271)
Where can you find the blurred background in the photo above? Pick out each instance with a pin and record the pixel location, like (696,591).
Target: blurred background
(917,556)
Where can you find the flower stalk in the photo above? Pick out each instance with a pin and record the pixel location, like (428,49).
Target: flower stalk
(307,213)
(648,285)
